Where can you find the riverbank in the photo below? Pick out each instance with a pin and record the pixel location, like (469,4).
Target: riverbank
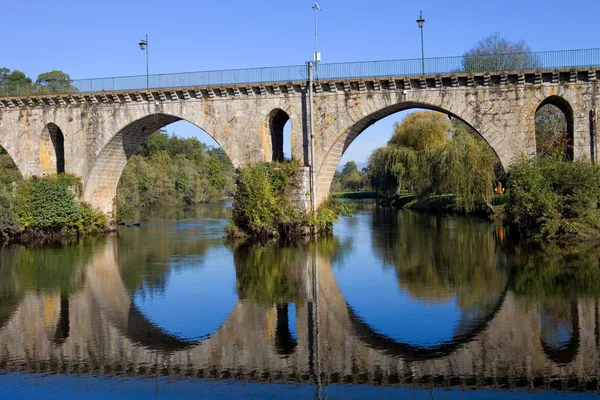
(445,204)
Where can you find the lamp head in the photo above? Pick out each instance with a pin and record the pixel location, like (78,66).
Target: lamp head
(421,21)
(143,44)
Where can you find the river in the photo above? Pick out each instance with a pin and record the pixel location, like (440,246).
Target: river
(393,305)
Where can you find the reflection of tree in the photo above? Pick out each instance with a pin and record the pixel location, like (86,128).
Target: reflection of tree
(147,256)
(552,273)
(270,274)
(43,270)
(436,258)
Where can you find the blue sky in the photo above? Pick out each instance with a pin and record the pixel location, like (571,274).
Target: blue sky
(90,39)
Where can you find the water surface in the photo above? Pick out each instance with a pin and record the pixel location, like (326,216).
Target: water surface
(393,305)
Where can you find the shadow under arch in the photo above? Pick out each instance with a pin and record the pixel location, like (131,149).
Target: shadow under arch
(566,354)
(564,106)
(345,139)
(276,121)
(101,184)
(52,150)
(411,352)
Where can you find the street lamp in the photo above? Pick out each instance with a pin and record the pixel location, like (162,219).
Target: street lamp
(144,46)
(317,54)
(420,22)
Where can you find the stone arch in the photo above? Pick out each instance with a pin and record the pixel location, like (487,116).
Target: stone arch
(52,150)
(326,168)
(563,105)
(275,123)
(103,178)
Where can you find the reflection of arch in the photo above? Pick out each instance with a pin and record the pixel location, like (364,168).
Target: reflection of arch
(285,343)
(102,181)
(419,353)
(276,121)
(564,106)
(567,353)
(63,328)
(326,169)
(52,150)
(109,294)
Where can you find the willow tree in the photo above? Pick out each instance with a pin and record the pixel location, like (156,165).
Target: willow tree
(426,155)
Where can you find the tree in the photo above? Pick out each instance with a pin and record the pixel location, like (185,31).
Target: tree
(14,83)
(495,53)
(421,130)
(350,168)
(54,82)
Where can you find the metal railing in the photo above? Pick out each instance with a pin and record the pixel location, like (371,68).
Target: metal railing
(469,63)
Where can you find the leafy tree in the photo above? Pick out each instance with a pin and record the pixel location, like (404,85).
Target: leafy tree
(423,157)
(54,82)
(14,83)
(495,53)
(421,130)
(350,168)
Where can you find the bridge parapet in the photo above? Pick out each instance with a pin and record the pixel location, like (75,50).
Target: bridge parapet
(295,88)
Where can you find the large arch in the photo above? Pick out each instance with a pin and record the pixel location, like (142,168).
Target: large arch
(326,168)
(565,107)
(103,178)
(52,150)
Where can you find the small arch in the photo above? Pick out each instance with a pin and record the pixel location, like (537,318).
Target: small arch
(276,122)
(52,150)
(556,347)
(549,106)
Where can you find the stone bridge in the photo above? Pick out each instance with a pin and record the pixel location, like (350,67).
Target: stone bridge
(93,134)
(99,330)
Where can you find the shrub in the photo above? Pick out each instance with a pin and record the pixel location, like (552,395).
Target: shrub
(553,198)
(8,220)
(49,205)
(263,204)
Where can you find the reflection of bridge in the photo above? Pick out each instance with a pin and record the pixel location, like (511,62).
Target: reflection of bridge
(98,329)
(93,127)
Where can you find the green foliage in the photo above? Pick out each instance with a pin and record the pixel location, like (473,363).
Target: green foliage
(8,220)
(451,158)
(350,179)
(263,204)
(551,137)
(14,83)
(54,82)
(495,53)
(265,274)
(170,170)
(554,199)
(421,130)
(49,205)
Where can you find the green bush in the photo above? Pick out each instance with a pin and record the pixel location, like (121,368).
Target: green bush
(263,206)
(49,205)
(551,199)
(8,220)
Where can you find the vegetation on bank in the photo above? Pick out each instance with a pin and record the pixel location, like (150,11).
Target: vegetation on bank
(47,206)
(168,170)
(556,200)
(264,205)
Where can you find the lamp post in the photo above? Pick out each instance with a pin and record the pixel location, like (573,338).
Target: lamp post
(317,57)
(144,46)
(420,22)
